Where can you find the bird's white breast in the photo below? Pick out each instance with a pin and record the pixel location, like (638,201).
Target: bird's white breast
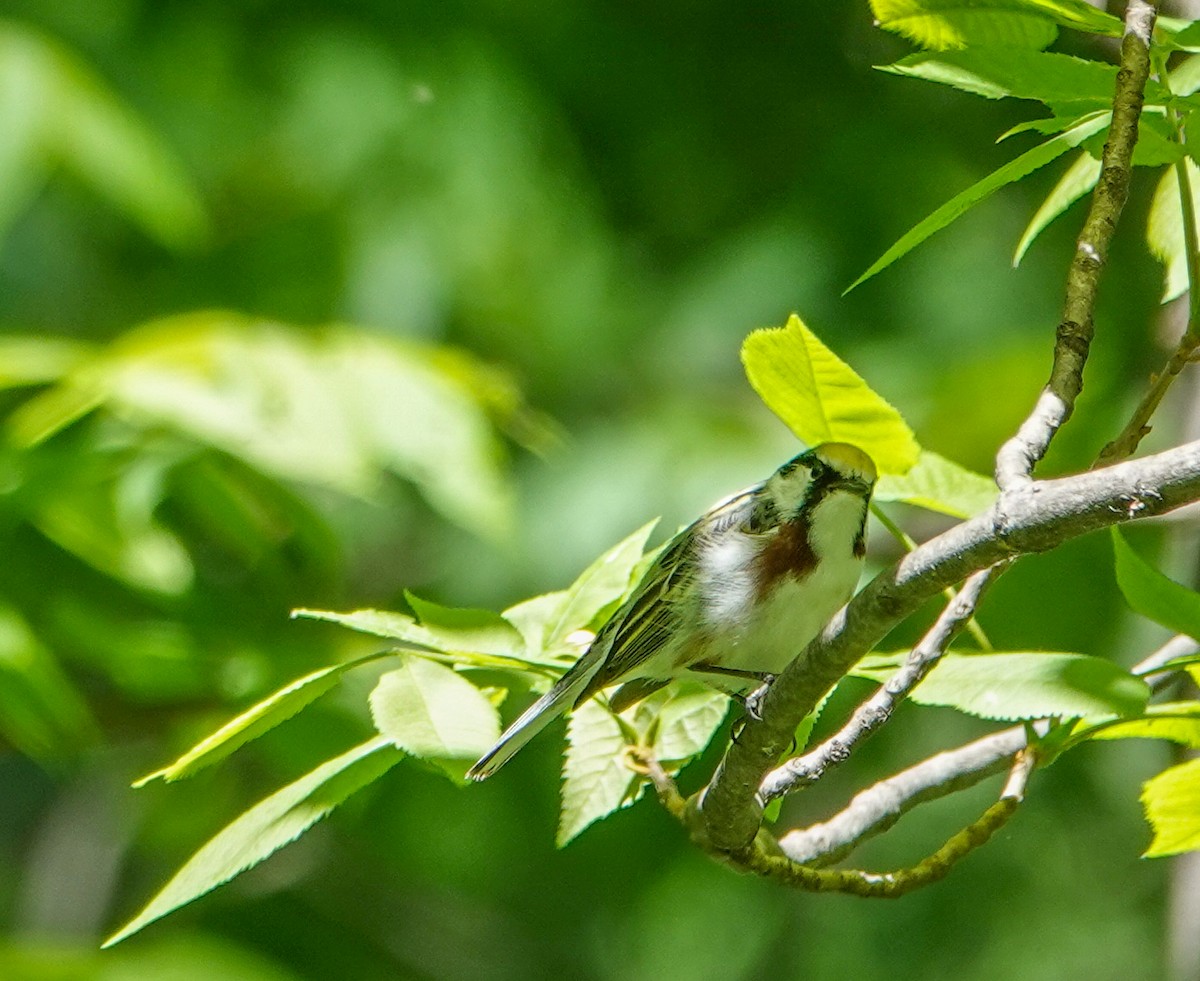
(763,632)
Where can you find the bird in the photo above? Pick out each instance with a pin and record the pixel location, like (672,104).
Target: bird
(731,599)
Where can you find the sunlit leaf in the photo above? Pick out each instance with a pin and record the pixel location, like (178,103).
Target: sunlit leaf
(338,408)
(598,587)
(942,24)
(1008,72)
(1013,686)
(1185,77)
(1176,722)
(963,23)
(464,629)
(596,781)
(821,398)
(939,485)
(1164,228)
(1186,37)
(381,623)
(431,712)
(1077,181)
(1153,594)
(267,827)
(1014,170)
(1172,803)
(256,720)
(35,360)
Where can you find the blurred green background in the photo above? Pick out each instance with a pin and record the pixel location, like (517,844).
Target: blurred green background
(306,304)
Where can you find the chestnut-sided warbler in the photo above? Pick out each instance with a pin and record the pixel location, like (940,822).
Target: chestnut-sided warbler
(732,598)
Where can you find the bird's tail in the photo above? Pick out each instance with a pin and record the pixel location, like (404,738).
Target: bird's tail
(535,718)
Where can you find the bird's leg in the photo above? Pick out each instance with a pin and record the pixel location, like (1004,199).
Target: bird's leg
(752,702)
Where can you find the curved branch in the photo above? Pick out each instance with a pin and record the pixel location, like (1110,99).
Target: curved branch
(874,810)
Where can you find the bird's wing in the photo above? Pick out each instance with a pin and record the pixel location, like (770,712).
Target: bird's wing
(655,612)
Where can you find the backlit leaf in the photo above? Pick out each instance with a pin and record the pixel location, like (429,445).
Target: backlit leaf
(256,720)
(821,398)
(432,712)
(941,485)
(1172,803)
(1014,170)
(1164,229)
(596,781)
(1077,181)
(267,827)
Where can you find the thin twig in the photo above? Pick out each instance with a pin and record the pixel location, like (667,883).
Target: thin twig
(1018,456)
(803,771)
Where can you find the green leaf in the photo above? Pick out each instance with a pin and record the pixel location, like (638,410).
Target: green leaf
(1153,595)
(56,113)
(688,721)
(381,623)
(1185,77)
(967,23)
(1047,127)
(1014,686)
(1187,38)
(432,712)
(941,485)
(36,360)
(547,621)
(1176,722)
(267,827)
(1014,170)
(339,408)
(596,780)
(42,714)
(1007,72)
(1077,181)
(1156,144)
(463,629)
(256,720)
(1172,803)
(820,398)
(942,24)
(1164,229)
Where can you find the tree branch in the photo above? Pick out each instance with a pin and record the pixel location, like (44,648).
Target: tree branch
(1018,456)
(769,859)
(1031,517)
(874,810)
(803,771)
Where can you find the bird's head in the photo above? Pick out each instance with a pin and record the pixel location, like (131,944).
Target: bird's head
(804,480)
